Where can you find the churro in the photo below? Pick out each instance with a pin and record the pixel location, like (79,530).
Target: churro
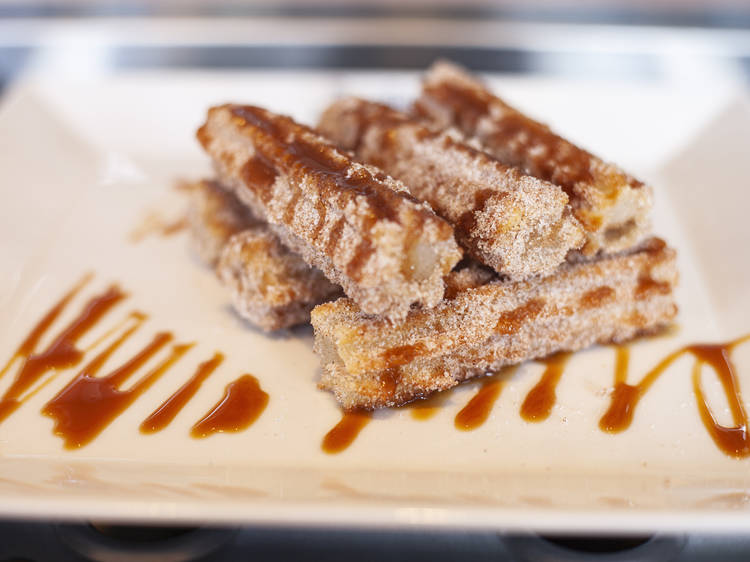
(517,224)
(488,324)
(214,215)
(612,206)
(360,227)
(270,286)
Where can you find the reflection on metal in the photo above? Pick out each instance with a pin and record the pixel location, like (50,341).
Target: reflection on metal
(608,43)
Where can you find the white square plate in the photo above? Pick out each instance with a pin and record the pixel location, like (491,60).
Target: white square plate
(82,163)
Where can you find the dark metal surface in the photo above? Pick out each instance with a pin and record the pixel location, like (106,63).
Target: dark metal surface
(707,14)
(603,66)
(48,542)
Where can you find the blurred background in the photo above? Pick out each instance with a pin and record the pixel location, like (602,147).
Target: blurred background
(683,42)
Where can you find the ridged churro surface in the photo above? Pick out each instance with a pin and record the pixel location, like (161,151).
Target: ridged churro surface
(517,224)
(612,206)
(488,324)
(360,227)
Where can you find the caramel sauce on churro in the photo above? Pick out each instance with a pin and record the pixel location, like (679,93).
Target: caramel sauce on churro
(402,355)
(256,117)
(510,321)
(164,414)
(516,138)
(468,105)
(243,402)
(558,162)
(389,379)
(259,173)
(519,141)
(468,220)
(335,236)
(345,432)
(321,160)
(62,353)
(322,211)
(647,286)
(538,403)
(597,297)
(362,254)
(280,152)
(291,207)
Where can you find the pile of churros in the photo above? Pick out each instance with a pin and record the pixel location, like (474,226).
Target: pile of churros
(429,246)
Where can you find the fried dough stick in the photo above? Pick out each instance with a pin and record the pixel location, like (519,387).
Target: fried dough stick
(612,206)
(515,223)
(270,286)
(485,325)
(360,227)
(214,215)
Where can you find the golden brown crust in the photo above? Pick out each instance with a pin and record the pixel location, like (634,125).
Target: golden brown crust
(360,227)
(517,224)
(271,287)
(368,364)
(612,206)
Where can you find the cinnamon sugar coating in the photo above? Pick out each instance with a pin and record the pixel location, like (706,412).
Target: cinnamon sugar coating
(515,223)
(360,227)
(270,286)
(368,363)
(612,206)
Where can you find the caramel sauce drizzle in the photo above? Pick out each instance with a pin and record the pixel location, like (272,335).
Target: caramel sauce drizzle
(243,402)
(154,224)
(398,356)
(345,432)
(89,404)
(133,316)
(511,321)
(647,286)
(538,403)
(285,148)
(31,342)
(62,353)
(164,414)
(560,162)
(426,408)
(733,441)
(476,412)
(478,409)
